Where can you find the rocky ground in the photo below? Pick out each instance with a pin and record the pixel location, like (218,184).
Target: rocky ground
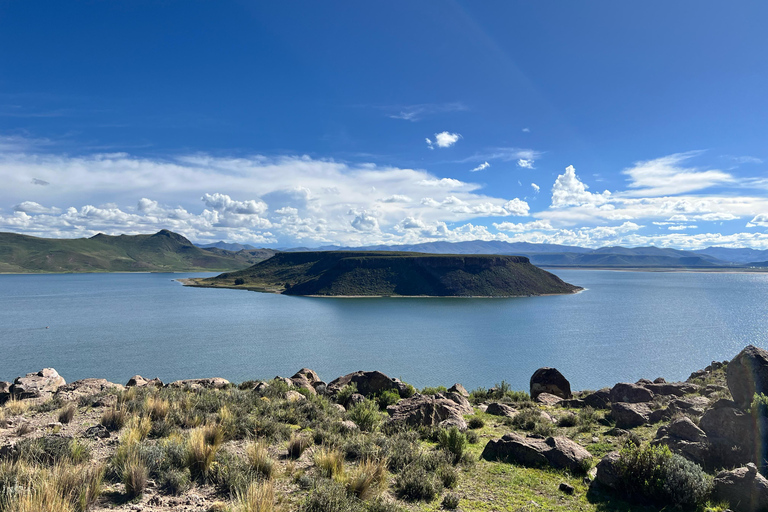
(366,442)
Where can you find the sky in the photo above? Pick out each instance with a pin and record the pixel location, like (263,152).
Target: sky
(304,123)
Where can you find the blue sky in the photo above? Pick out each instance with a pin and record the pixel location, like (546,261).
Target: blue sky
(313,123)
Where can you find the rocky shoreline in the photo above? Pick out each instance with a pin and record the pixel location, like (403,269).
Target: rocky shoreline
(711,426)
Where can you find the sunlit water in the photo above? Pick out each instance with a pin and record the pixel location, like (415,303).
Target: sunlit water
(625,326)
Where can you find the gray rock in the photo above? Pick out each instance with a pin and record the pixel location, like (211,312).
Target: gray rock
(458,388)
(195,384)
(36,385)
(608,471)
(731,433)
(498,409)
(672,388)
(97,431)
(744,488)
(558,452)
(294,396)
(747,374)
(684,428)
(683,437)
(86,387)
(421,410)
(5,392)
(300,381)
(600,399)
(566,488)
(464,406)
(309,375)
(629,415)
(693,405)
(630,393)
(368,383)
(550,380)
(548,399)
(354,399)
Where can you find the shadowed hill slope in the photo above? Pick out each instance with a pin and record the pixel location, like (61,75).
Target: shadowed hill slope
(162,251)
(347,273)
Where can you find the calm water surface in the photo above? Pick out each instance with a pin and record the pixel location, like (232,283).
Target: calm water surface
(625,326)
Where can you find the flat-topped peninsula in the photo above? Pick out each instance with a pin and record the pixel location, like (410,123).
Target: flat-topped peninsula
(373,273)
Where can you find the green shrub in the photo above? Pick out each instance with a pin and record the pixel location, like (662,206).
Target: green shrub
(361,447)
(379,505)
(531,419)
(759,407)
(409,391)
(567,420)
(175,481)
(434,390)
(365,415)
(230,474)
(656,474)
(451,501)
(586,419)
(448,475)
(50,450)
(475,423)
(414,482)
(454,441)
(472,437)
(342,397)
(401,449)
(387,398)
(239,281)
(330,496)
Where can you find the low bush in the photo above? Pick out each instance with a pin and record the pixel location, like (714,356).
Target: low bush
(454,441)
(175,481)
(330,496)
(365,415)
(472,437)
(414,483)
(451,501)
(475,423)
(586,419)
(343,395)
(566,420)
(531,419)
(51,450)
(401,449)
(433,390)
(655,474)
(297,444)
(387,398)
(360,447)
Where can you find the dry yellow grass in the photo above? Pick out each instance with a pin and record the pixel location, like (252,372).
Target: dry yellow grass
(330,462)
(259,459)
(16,407)
(258,497)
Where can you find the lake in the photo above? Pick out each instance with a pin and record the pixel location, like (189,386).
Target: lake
(625,326)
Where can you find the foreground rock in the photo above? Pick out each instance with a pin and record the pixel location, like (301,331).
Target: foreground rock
(430,410)
(499,409)
(86,387)
(731,433)
(747,374)
(550,380)
(368,383)
(629,415)
(37,385)
(744,488)
(630,393)
(558,452)
(608,471)
(682,436)
(195,384)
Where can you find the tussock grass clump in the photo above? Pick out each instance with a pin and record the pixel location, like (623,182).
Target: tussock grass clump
(365,415)
(51,450)
(114,418)
(258,497)
(134,475)
(202,446)
(16,407)
(330,462)
(156,408)
(586,419)
(62,487)
(368,480)
(138,429)
(330,496)
(24,429)
(258,458)
(297,445)
(67,413)
(434,390)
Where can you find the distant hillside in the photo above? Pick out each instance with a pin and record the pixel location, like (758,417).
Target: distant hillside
(227,246)
(342,273)
(562,255)
(164,251)
(736,255)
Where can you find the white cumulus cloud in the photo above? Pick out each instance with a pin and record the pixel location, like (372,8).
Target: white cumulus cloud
(568,190)
(525,163)
(443,140)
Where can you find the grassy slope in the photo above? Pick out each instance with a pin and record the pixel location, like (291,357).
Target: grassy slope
(163,251)
(390,273)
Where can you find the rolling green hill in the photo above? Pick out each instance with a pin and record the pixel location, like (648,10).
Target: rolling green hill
(163,251)
(348,273)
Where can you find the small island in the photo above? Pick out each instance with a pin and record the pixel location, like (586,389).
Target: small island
(404,274)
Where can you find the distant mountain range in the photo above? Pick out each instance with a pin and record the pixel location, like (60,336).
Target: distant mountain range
(165,251)
(552,255)
(227,246)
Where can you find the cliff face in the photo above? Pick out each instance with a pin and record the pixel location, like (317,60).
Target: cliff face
(386,273)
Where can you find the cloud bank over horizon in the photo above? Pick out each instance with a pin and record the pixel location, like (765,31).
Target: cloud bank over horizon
(299,200)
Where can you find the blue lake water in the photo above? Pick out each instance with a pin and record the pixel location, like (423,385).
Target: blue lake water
(625,326)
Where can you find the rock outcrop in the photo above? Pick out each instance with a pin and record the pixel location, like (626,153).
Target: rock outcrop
(747,374)
(429,410)
(139,382)
(682,436)
(499,409)
(550,380)
(629,415)
(86,387)
(368,383)
(744,488)
(194,384)
(558,452)
(630,393)
(37,385)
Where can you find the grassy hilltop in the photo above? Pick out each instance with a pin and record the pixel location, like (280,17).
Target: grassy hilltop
(163,251)
(368,273)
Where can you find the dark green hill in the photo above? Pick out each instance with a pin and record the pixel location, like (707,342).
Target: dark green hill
(348,273)
(165,251)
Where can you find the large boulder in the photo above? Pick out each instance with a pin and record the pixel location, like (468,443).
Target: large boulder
(671,388)
(5,392)
(86,387)
(197,384)
(558,452)
(139,382)
(458,388)
(744,488)
(629,415)
(608,471)
(682,436)
(550,380)
(548,399)
(35,385)
(630,393)
(731,433)
(368,383)
(599,399)
(310,375)
(747,374)
(428,410)
(499,409)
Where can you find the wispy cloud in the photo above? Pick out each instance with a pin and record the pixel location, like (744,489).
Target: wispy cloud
(526,130)
(743,159)
(480,167)
(665,176)
(525,163)
(420,111)
(535,187)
